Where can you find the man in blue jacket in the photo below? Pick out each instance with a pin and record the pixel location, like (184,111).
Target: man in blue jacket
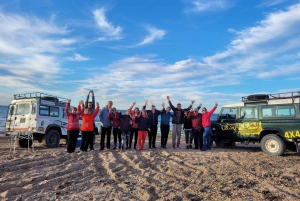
(105,125)
(165,125)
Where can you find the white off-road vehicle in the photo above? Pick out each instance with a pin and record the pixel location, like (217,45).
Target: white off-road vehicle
(37,116)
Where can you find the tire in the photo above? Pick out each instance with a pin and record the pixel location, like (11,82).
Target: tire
(51,139)
(273,145)
(218,142)
(24,143)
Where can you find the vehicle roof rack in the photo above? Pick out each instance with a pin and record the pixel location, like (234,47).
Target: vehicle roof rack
(265,98)
(42,96)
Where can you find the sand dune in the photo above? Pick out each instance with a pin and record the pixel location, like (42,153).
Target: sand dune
(240,173)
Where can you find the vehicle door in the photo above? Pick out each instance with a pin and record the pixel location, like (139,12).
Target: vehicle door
(10,119)
(22,116)
(64,122)
(228,122)
(248,124)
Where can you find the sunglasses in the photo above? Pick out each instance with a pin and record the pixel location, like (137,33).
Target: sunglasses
(113,110)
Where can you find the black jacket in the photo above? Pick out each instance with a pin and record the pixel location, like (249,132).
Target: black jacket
(187,123)
(153,117)
(178,114)
(125,123)
(144,123)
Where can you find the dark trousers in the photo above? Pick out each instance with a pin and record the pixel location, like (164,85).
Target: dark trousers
(117,135)
(72,140)
(125,138)
(198,139)
(164,129)
(87,139)
(105,131)
(152,135)
(134,132)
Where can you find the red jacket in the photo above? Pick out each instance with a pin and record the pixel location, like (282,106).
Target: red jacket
(88,120)
(134,124)
(115,117)
(73,119)
(206,117)
(196,119)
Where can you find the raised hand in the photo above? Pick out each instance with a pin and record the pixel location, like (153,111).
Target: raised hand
(151,103)
(216,104)
(168,98)
(133,104)
(81,102)
(97,104)
(68,100)
(163,104)
(200,105)
(146,102)
(192,102)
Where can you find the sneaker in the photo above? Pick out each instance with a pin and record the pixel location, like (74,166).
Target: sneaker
(173,146)
(154,147)
(187,147)
(165,147)
(114,148)
(191,147)
(134,147)
(92,150)
(178,146)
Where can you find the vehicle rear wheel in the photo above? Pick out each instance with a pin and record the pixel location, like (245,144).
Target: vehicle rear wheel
(51,139)
(24,143)
(273,145)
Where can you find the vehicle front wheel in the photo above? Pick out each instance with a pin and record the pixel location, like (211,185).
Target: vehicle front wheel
(273,145)
(51,139)
(24,143)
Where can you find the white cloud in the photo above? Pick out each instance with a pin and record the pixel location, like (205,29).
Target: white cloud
(154,34)
(199,6)
(269,3)
(78,57)
(109,30)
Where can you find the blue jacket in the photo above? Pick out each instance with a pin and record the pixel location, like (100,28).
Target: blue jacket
(144,123)
(165,117)
(105,121)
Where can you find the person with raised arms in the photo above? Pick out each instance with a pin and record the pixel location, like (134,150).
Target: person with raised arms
(135,126)
(87,128)
(73,125)
(144,127)
(114,116)
(206,125)
(197,128)
(153,118)
(177,121)
(126,124)
(165,125)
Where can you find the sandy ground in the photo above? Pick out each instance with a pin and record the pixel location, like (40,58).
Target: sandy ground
(240,173)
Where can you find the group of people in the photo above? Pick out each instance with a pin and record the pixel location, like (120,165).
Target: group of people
(136,124)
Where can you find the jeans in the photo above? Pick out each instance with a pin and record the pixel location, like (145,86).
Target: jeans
(188,136)
(152,135)
(176,134)
(72,140)
(164,129)
(125,138)
(134,132)
(105,131)
(206,138)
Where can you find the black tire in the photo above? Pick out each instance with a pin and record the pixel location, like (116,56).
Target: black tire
(51,139)
(23,143)
(218,142)
(273,145)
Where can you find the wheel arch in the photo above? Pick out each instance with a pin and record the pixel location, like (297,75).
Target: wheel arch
(271,130)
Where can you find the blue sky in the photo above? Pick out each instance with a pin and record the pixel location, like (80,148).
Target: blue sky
(126,51)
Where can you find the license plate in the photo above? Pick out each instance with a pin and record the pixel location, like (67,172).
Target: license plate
(22,120)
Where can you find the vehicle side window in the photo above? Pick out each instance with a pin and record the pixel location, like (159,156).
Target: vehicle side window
(64,113)
(249,113)
(44,110)
(228,113)
(22,109)
(12,108)
(54,111)
(278,111)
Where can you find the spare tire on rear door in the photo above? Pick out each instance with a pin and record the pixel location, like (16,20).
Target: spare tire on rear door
(51,139)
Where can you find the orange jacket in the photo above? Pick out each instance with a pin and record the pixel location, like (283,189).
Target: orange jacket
(88,120)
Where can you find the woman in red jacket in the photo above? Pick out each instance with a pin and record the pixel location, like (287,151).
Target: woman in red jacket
(206,125)
(87,129)
(73,125)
